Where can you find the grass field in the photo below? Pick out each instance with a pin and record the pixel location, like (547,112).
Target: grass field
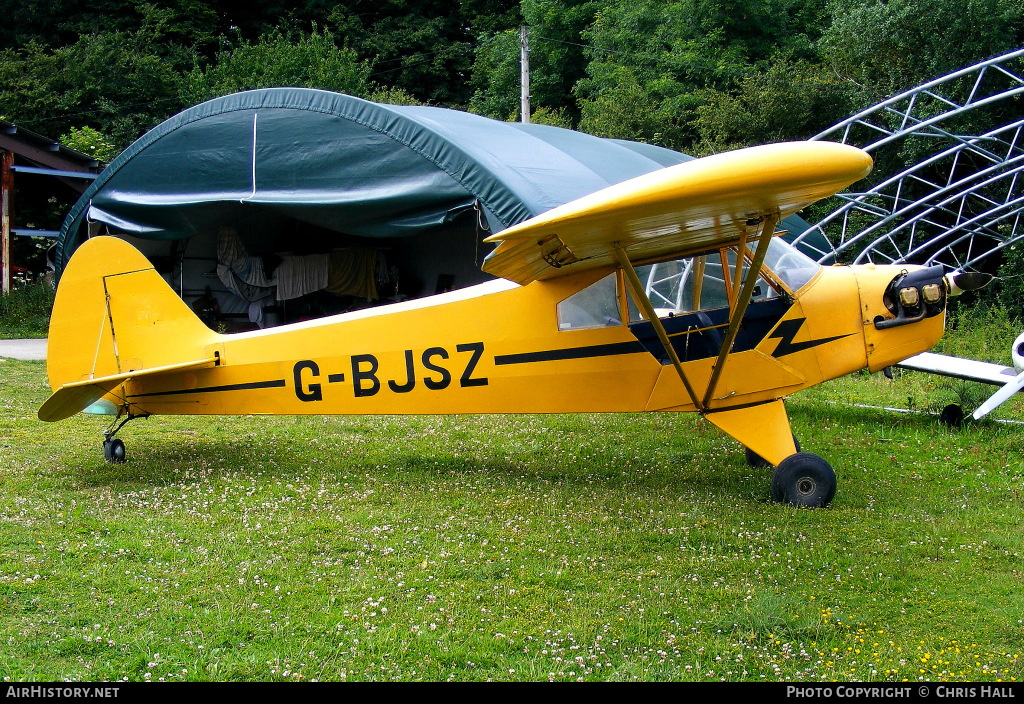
(588,547)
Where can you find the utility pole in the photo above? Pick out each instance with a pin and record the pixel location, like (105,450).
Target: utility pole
(524,74)
(6,190)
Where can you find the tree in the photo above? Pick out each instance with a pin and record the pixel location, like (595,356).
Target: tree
(115,82)
(496,77)
(885,48)
(673,53)
(296,59)
(423,47)
(92,142)
(789,100)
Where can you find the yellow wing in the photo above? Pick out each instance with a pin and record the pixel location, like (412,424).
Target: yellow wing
(691,207)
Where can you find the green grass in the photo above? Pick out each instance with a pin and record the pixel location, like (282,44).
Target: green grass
(594,547)
(25,311)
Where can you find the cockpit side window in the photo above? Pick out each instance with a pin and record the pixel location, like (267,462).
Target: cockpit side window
(596,306)
(679,286)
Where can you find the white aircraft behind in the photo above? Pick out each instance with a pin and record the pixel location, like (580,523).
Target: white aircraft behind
(1010,380)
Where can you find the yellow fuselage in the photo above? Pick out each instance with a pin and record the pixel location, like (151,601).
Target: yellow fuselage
(497,348)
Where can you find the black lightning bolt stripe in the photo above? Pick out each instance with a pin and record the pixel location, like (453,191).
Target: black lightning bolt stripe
(570,353)
(787,330)
(271,384)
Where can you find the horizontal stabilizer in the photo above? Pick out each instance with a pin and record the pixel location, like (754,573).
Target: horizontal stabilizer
(69,400)
(76,396)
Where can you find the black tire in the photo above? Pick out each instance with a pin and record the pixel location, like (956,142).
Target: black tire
(952,416)
(755,460)
(804,479)
(114,451)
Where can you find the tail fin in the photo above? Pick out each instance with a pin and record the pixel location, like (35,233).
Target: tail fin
(115,317)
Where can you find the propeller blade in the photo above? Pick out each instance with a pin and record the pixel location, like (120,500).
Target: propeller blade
(960,281)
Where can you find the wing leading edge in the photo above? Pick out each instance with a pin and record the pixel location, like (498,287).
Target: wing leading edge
(683,209)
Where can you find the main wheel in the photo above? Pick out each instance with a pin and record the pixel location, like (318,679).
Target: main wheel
(952,415)
(113,450)
(755,460)
(804,479)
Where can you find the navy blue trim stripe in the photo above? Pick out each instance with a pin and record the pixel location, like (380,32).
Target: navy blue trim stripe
(614,348)
(271,384)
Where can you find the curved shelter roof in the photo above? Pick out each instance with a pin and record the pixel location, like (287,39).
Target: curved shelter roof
(344,164)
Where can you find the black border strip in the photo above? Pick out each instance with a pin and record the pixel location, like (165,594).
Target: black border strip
(608,350)
(273,383)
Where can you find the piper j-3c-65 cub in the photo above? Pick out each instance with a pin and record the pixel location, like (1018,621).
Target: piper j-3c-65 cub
(667,292)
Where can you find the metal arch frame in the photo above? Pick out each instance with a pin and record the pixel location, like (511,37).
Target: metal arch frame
(895,221)
(897,216)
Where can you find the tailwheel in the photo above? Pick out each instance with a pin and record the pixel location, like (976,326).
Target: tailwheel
(804,479)
(113,450)
(755,460)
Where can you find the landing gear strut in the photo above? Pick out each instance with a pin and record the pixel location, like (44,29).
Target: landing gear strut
(755,460)
(113,448)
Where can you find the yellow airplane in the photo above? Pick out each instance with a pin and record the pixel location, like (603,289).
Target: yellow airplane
(667,292)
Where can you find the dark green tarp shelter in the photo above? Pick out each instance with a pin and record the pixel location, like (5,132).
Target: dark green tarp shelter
(346,165)
(299,172)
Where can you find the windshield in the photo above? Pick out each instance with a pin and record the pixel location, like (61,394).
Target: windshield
(703,282)
(790,266)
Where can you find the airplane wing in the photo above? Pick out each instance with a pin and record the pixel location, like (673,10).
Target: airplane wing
(959,368)
(684,209)
(1007,378)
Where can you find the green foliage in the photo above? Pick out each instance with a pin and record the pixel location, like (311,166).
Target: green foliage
(423,47)
(789,100)
(553,117)
(884,48)
(392,96)
(626,109)
(25,311)
(669,58)
(92,142)
(695,75)
(1009,285)
(280,59)
(982,331)
(118,82)
(56,23)
(557,61)
(496,77)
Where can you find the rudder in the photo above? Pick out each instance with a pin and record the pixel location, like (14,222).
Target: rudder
(114,314)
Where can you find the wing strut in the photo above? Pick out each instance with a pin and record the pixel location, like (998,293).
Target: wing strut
(737,311)
(640,296)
